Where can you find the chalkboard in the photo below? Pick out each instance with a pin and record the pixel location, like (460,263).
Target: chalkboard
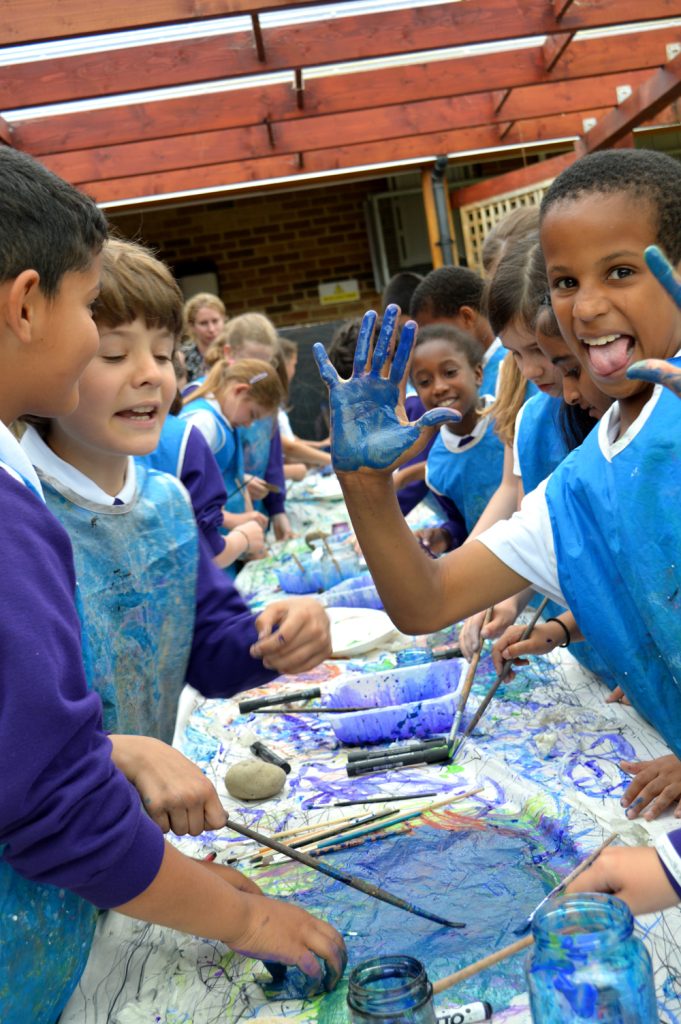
(308,396)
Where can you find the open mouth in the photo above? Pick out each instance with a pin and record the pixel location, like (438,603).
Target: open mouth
(610,354)
(139,414)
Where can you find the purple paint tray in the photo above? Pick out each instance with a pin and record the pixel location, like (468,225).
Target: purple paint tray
(418,700)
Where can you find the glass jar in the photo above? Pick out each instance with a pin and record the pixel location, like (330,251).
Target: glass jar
(587,965)
(390,988)
(413,656)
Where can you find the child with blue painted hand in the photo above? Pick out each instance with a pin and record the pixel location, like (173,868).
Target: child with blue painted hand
(577,537)
(73,833)
(464,464)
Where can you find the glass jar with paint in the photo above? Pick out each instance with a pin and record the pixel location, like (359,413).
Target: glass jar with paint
(390,989)
(587,964)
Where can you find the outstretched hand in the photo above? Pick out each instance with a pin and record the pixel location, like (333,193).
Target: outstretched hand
(658,371)
(369,428)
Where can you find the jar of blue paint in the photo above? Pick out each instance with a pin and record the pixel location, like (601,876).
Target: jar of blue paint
(390,989)
(587,964)
(413,656)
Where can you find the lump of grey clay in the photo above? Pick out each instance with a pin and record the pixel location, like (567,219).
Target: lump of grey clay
(254,780)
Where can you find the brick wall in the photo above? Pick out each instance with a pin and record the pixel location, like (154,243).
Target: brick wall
(271,251)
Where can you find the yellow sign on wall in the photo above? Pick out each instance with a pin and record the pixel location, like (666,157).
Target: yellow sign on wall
(338,291)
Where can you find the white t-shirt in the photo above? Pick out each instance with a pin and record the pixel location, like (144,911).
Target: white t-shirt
(525,541)
(285,428)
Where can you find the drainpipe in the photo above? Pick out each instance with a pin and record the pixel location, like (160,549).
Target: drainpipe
(440,198)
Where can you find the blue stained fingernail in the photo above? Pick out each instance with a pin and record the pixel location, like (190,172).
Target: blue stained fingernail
(659,265)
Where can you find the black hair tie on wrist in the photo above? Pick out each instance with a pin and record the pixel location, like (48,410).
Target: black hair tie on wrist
(566,642)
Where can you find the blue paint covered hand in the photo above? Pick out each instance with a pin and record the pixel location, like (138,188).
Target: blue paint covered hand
(658,371)
(369,428)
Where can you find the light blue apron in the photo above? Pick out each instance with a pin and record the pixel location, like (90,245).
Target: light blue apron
(541,448)
(618,547)
(256,441)
(136,565)
(229,455)
(468,477)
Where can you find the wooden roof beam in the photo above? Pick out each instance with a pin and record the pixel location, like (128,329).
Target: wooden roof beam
(353,37)
(6,133)
(658,92)
(554,48)
(560,8)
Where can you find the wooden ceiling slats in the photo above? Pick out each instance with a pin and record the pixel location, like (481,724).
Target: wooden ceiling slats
(91,129)
(652,96)
(41,20)
(312,44)
(310,133)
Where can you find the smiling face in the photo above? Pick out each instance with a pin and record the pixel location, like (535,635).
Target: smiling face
(578,387)
(530,359)
(611,310)
(207,327)
(125,394)
(443,377)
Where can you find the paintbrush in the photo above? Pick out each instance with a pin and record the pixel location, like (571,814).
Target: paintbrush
(466,688)
(341,876)
(252,703)
(382,752)
(323,537)
(320,832)
(380,799)
(451,799)
(503,675)
(515,947)
(349,844)
(307,711)
(558,889)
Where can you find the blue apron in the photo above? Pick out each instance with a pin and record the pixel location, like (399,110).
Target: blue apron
(541,448)
(469,476)
(229,455)
(256,441)
(616,534)
(136,565)
(46,935)
(490,372)
(168,457)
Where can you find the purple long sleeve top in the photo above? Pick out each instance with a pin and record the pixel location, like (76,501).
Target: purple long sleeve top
(68,817)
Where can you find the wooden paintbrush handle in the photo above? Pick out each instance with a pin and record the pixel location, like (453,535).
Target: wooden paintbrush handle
(481,965)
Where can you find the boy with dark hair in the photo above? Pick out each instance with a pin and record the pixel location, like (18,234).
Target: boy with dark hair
(73,834)
(454,295)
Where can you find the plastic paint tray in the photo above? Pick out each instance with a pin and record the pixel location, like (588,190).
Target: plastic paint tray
(418,700)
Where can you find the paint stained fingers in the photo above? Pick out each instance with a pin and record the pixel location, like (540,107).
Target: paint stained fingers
(326,371)
(657,371)
(384,340)
(655,786)
(363,346)
(662,269)
(398,367)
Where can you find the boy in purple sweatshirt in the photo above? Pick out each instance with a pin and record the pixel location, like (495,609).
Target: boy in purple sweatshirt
(73,834)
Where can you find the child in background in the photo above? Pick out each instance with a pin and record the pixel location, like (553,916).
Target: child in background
(155,610)
(294,448)
(577,537)
(204,317)
(454,295)
(254,336)
(524,220)
(465,462)
(73,832)
(232,396)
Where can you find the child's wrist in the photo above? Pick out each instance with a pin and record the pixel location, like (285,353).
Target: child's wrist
(237,529)
(566,632)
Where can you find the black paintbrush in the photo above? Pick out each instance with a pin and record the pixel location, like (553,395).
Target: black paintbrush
(340,876)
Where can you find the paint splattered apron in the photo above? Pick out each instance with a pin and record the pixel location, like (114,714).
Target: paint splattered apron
(542,447)
(229,455)
(616,534)
(45,932)
(136,565)
(256,441)
(468,477)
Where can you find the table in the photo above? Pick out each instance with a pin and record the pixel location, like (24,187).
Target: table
(546,756)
